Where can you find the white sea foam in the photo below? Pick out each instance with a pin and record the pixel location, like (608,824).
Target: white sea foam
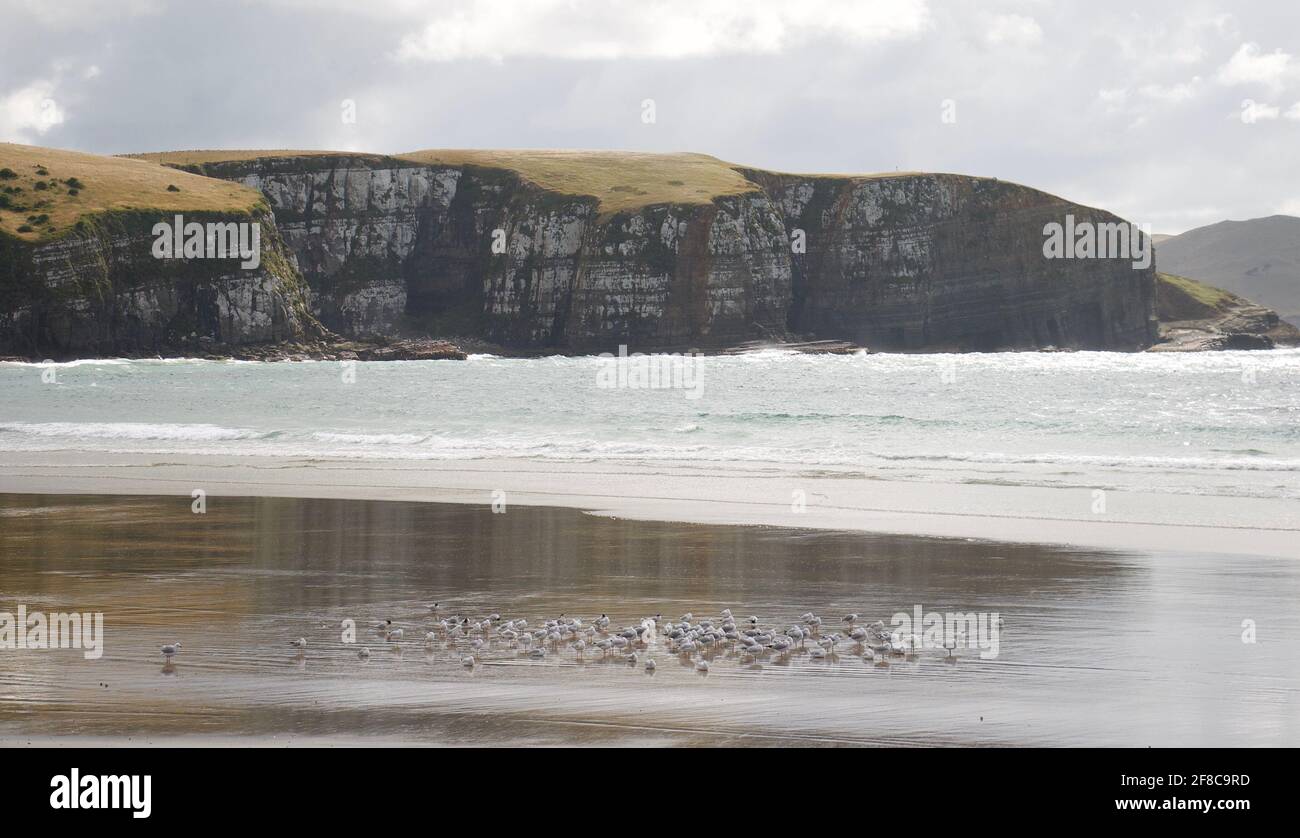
(128,431)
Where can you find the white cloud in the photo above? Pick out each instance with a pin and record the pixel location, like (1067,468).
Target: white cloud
(665,29)
(1014,30)
(29,112)
(1171,93)
(1252,111)
(91,72)
(1293,112)
(1250,65)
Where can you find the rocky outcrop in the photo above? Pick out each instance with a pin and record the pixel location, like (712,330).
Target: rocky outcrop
(1196,317)
(98,290)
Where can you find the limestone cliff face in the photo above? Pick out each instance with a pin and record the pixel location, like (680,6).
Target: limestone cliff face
(99,291)
(386,245)
(371,245)
(908,262)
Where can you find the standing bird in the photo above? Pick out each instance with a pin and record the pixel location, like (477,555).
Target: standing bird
(300,644)
(171,649)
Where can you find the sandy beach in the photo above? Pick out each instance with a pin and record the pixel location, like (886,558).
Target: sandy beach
(749,494)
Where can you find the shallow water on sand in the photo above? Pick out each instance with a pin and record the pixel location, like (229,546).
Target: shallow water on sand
(1096,648)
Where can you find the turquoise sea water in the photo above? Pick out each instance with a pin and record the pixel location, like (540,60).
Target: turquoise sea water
(1210,423)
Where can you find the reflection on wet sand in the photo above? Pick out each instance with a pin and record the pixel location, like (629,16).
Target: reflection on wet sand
(1119,649)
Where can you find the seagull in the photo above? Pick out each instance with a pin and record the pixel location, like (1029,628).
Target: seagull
(395,634)
(364,653)
(171,649)
(299,644)
(434,607)
(650,665)
(468,660)
(702,666)
(849,618)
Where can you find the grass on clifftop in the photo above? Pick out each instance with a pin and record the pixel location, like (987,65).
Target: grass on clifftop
(1180,298)
(199,157)
(44,191)
(1204,294)
(621,180)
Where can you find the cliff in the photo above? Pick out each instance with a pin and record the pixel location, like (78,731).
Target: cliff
(583,251)
(940,261)
(78,276)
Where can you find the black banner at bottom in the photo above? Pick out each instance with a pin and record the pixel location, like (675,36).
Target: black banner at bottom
(140,787)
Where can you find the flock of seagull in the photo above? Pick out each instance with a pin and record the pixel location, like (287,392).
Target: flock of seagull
(694,641)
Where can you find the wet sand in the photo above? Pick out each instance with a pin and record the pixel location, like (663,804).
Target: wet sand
(1116,648)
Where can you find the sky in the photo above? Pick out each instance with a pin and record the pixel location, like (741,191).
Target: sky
(1172,113)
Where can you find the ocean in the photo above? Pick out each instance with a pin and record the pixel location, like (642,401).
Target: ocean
(1213,424)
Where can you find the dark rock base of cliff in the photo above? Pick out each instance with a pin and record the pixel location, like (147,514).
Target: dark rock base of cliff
(1245,326)
(340,349)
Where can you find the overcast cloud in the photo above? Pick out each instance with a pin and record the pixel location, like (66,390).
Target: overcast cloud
(1175,113)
